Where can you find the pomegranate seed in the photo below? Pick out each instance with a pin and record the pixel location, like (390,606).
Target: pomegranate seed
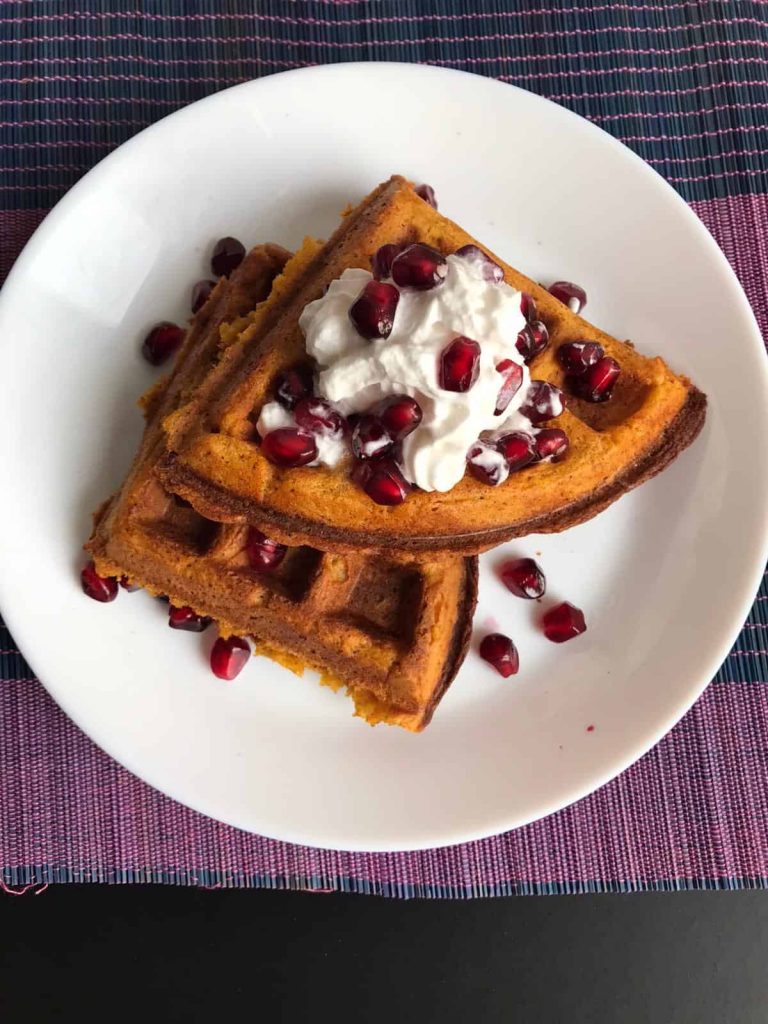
(543,401)
(126,584)
(228,657)
(100,588)
(161,342)
(533,339)
(383,481)
(552,444)
(264,554)
(187,618)
(524,578)
(596,383)
(487,464)
(200,293)
(370,438)
(292,386)
(289,447)
(570,294)
(474,254)
(399,415)
(459,365)
(373,311)
(499,651)
(563,622)
(420,267)
(577,356)
(513,378)
(427,193)
(381,261)
(528,306)
(319,417)
(228,253)
(518,448)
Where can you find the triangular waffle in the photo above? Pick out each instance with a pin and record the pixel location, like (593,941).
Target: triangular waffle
(393,632)
(215,463)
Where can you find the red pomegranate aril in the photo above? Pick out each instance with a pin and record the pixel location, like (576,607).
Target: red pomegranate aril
(544,401)
(596,383)
(528,306)
(459,365)
(126,584)
(577,356)
(228,254)
(200,294)
(188,619)
(419,267)
(100,588)
(499,651)
(289,447)
(373,311)
(229,657)
(474,254)
(427,193)
(512,373)
(385,483)
(161,342)
(370,438)
(487,464)
(563,622)
(381,261)
(570,294)
(552,444)
(524,578)
(518,448)
(533,339)
(399,415)
(292,386)
(318,416)
(264,555)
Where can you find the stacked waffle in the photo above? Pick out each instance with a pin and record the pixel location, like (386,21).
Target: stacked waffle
(377,597)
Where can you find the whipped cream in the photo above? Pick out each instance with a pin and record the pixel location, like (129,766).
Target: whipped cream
(331,447)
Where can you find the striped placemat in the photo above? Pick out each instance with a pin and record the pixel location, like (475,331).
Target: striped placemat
(686,86)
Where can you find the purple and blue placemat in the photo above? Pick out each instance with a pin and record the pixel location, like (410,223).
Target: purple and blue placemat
(683,84)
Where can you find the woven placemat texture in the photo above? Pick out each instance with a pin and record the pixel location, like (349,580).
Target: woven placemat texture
(683,84)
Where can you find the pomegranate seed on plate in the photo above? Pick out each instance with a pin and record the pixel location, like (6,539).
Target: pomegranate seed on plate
(399,415)
(487,464)
(264,554)
(427,193)
(596,383)
(289,447)
(370,438)
(228,254)
(200,294)
(381,261)
(126,584)
(551,443)
(383,481)
(100,588)
(524,578)
(512,373)
(563,622)
(543,401)
(518,448)
(373,311)
(187,618)
(161,342)
(570,294)
(577,356)
(293,385)
(228,657)
(499,651)
(319,417)
(459,365)
(419,267)
(533,339)
(474,254)
(528,306)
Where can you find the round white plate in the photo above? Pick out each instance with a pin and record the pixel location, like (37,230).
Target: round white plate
(665,576)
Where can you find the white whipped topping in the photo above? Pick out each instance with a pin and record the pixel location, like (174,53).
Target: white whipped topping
(331,448)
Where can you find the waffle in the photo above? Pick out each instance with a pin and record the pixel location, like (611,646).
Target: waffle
(393,632)
(214,462)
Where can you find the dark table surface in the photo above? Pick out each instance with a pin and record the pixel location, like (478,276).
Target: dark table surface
(97,953)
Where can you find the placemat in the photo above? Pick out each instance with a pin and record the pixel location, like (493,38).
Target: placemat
(683,84)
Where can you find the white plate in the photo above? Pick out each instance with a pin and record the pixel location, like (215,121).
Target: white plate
(665,577)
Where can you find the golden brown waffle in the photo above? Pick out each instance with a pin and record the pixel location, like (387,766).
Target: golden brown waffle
(214,462)
(395,633)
